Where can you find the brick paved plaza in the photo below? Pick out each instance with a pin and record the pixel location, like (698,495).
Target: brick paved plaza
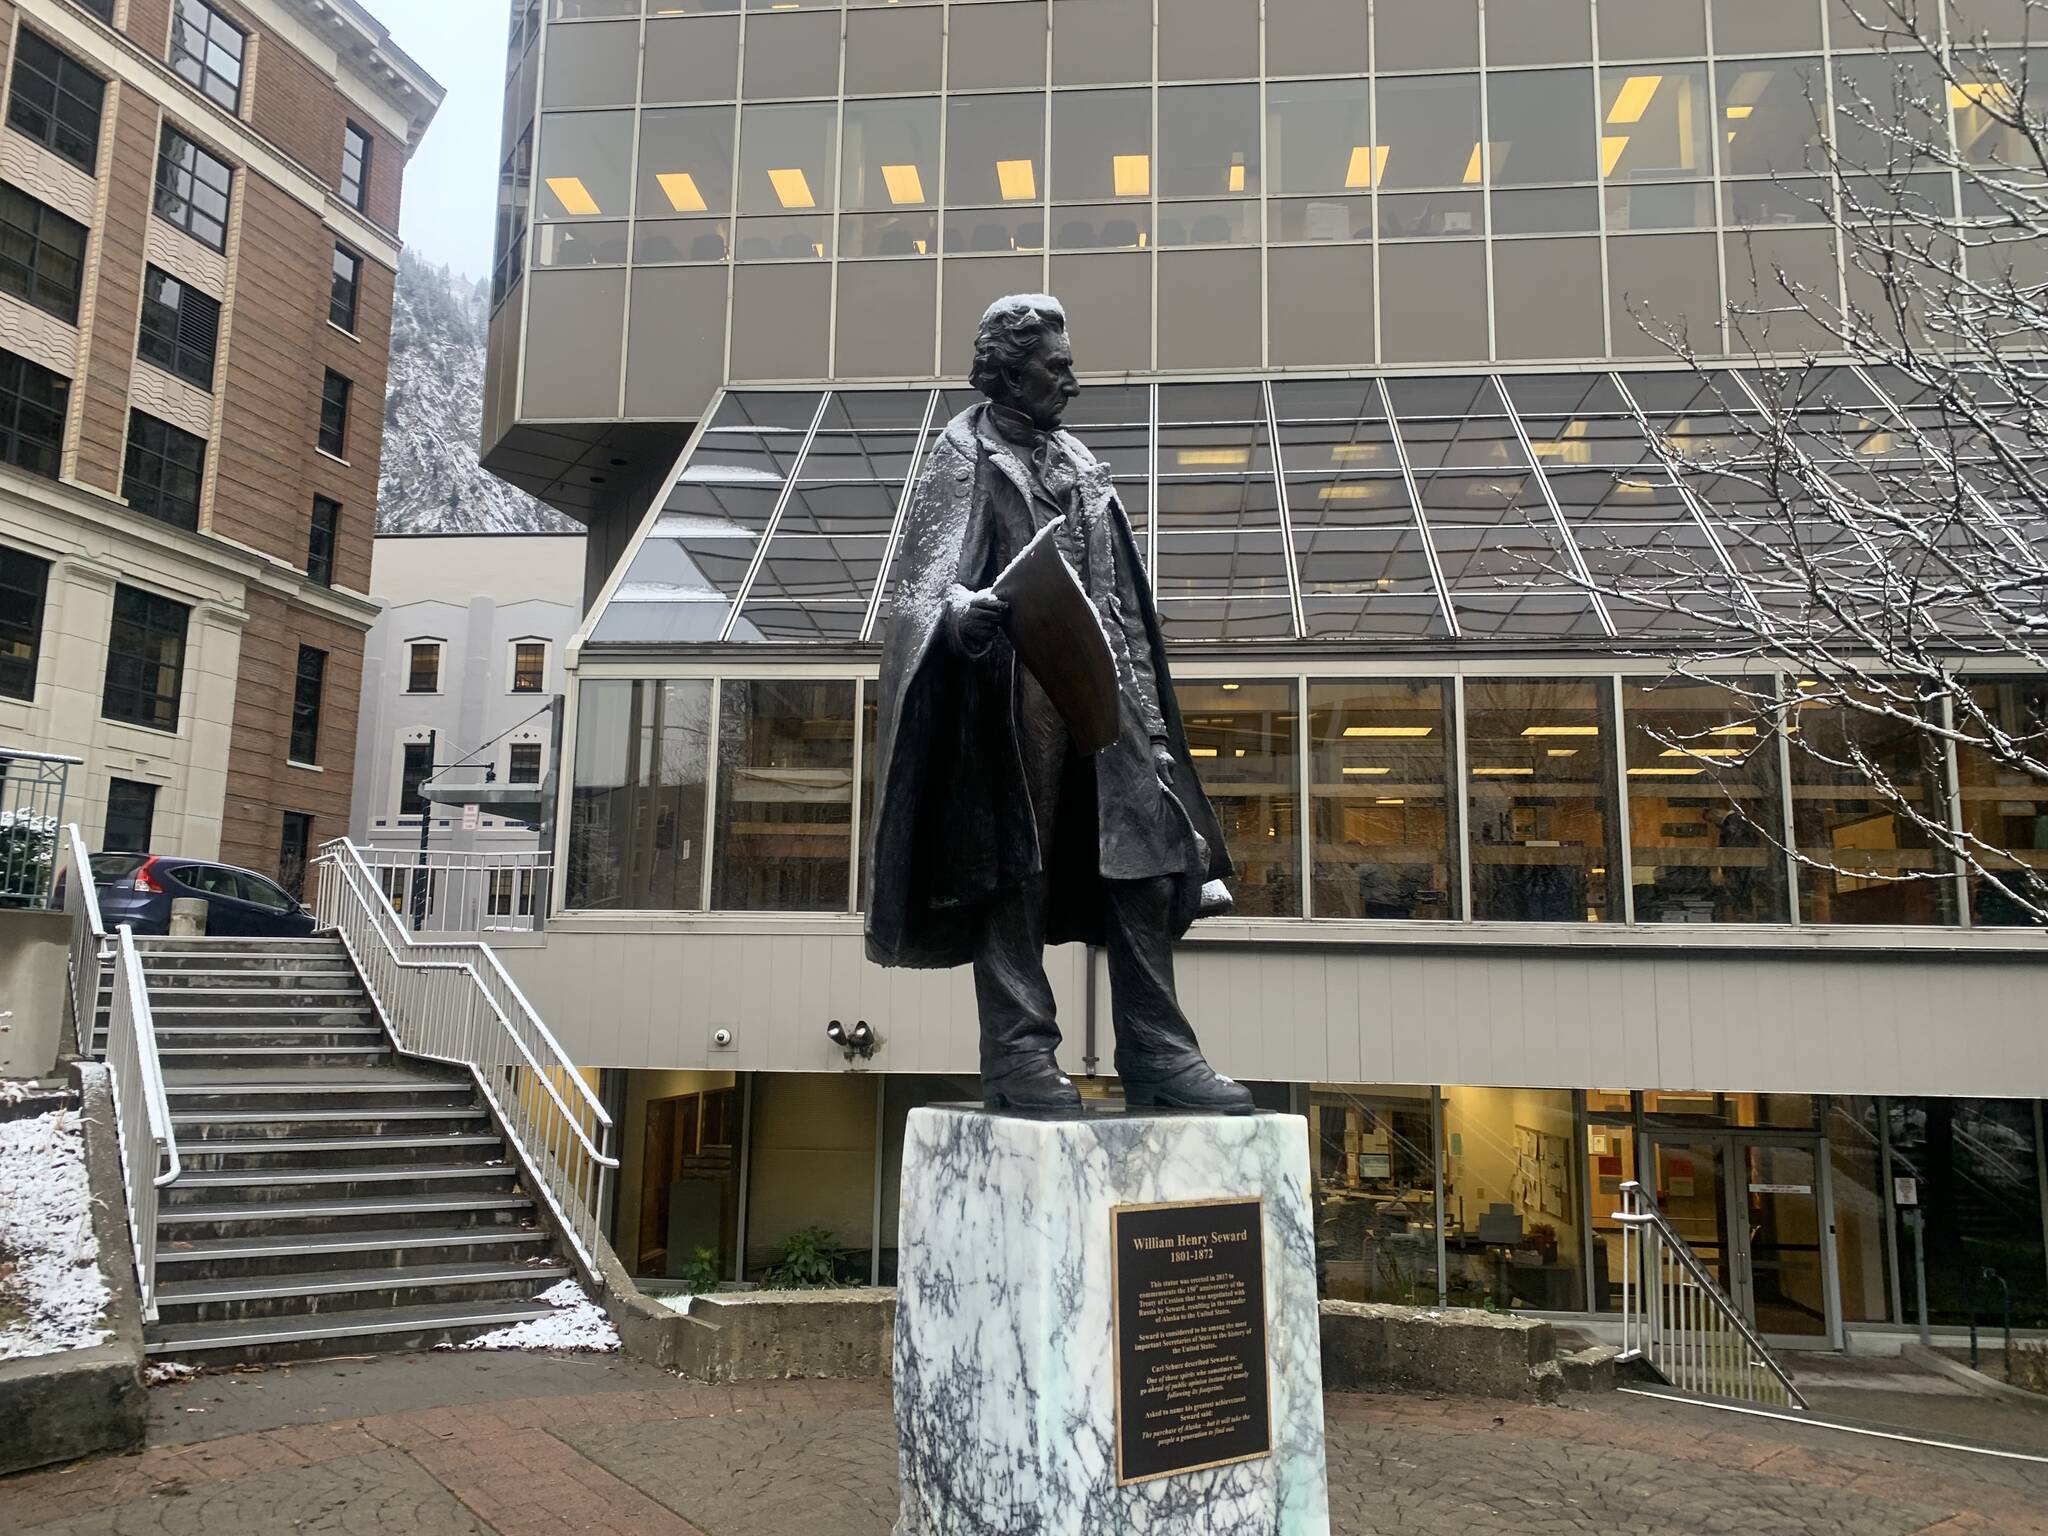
(538,1446)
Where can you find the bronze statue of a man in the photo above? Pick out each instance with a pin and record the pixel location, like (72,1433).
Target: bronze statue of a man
(993,834)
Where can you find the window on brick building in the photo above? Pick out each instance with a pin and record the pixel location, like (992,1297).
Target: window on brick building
(104,9)
(334,395)
(32,405)
(355,166)
(42,254)
(180,327)
(56,101)
(24,588)
(131,816)
(294,849)
(165,472)
(320,540)
(306,696)
(348,283)
(145,659)
(193,188)
(207,50)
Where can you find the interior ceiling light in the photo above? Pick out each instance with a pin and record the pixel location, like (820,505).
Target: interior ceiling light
(1611,147)
(1235,181)
(792,188)
(1665,773)
(573,195)
(1199,456)
(1345,453)
(1500,772)
(1390,802)
(1367,773)
(1232,687)
(1132,175)
(1740,112)
(904,184)
(680,188)
(1561,730)
(1562,752)
(1475,167)
(1201,751)
(1404,731)
(1346,493)
(1018,181)
(1633,98)
(1369,164)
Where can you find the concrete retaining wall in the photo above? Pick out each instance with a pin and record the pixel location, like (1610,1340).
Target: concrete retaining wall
(35,948)
(1368,1346)
(85,1401)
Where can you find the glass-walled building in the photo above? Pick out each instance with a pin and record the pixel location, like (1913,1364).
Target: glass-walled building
(1374,305)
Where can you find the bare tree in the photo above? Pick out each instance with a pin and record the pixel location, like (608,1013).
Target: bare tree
(1871,483)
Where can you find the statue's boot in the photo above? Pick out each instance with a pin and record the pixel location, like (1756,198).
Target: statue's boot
(1195,1086)
(1031,1082)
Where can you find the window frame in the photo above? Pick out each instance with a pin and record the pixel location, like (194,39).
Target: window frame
(539,676)
(334,414)
(140,455)
(513,754)
(60,89)
(201,75)
(309,688)
(37,289)
(344,317)
(154,618)
(413,648)
(322,532)
(302,821)
(32,587)
(14,401)
(352,134)
(190,329)
(405,768)
(192,219)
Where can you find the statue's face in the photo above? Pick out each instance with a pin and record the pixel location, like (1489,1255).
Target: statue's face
(1045,383)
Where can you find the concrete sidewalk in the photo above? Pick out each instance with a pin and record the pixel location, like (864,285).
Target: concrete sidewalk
(524,1445)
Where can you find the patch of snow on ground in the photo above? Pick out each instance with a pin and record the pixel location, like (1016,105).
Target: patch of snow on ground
(46,1238)
(164,1372)
(577,1323)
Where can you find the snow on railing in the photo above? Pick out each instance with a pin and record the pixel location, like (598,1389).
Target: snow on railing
(142,1111)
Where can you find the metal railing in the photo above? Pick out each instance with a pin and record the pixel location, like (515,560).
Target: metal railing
(32,790)
(451,1000)
(142,1111)
(1680,1322)
(87,967)
(447,892)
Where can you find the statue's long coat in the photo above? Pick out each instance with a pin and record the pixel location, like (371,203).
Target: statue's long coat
(953,818)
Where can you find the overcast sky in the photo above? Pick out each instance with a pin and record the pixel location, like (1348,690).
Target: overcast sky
(451,185)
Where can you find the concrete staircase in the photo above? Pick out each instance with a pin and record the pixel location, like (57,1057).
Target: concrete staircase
(337,1197)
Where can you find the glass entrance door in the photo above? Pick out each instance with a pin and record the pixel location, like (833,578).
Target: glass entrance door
(1751,1209)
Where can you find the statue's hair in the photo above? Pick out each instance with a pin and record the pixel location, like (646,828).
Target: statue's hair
(1010,329)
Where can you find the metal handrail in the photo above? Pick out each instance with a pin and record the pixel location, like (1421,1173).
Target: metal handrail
(1683,1324)
(142,1111)
(89,951)
(451,1000)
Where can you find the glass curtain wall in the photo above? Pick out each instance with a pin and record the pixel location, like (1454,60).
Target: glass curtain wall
(1979,1174)
(1383,822)
(1513,1237)
(1374,1158)
(637,801)
(784,838)
(1243,737)
(2005,802)
(1541,800)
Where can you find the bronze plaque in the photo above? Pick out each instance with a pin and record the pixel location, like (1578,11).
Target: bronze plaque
(1189,1284)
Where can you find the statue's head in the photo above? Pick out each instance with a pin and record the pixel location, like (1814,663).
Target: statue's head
(1022,359)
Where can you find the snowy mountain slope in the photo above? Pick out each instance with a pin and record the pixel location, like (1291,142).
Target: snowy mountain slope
(433,414)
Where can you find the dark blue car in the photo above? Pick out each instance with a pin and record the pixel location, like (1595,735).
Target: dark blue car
(138,889)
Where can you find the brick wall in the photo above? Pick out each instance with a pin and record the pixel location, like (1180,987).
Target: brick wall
(109,363)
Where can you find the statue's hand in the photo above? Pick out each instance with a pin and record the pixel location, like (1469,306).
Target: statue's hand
(976,616)
(1163,763)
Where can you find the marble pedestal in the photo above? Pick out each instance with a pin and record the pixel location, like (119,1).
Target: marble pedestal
(1004,1361)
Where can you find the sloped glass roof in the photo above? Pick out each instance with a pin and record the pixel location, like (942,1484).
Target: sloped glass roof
(1490,509)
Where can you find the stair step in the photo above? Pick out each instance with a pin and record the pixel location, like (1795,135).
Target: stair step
(230,1178)
(237,1010)
(488,1213)
(354,1280)
(284,1116)
(346,1144)
(232,1027)
(260,1055)
(249,1250)
(382,1328)
(245,1298)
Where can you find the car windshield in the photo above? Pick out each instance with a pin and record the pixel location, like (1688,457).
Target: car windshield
(108,867)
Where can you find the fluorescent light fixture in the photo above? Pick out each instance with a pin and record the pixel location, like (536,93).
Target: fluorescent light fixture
(680,188)
(792,188)
(1390,802)
(1989,94)
(1406,732)
(1665,773)
(1346,493)
(1476,166)
(1633,99)
(1562,752)
(1501,772)
(1367,773)
(1878,442)
(923,248)
(1132,175)
(1199,456)
(904,184)
(1740,112)
(1561,730)
(1018,181)
(1232,687)
(1201,751)
(573,195)
(1733,730)
(1236,182)
(1611,147)
(1346,453)
(1368,165)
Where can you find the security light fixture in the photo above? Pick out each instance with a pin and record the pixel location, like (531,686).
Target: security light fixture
(861,1040)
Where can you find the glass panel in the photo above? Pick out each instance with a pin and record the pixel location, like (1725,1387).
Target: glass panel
(1375,1193)
(2005,807)
(1763,26)
(1686,1181)
(1383,821)
(1705,810)
(1208,223)
(996,229)
(811,1159)
(1683,205)
(1857,1161)
(798,237)
(1538,121)
(1425,34)
(891,153)
(1429,132)
(1868,862)
(1109,226)
(1654,123)
(1208,140)
(1610,1163)
(679,1176)
(1980,1194)
(691,60)
(786,160)
(1511,1194)
(995,152)
(1318,133)
(785,796)
(1541,32)
(1101,144)
(1332,218)
(636,808)
(1787,1275)
(1889,109)
(1433,215)
(1239,564)
(1647,29)
(1768,120)
(1540,801)
(580,245)
(1553,211)
(1249,619)
(1243,740)
(583,161)
(681,240)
